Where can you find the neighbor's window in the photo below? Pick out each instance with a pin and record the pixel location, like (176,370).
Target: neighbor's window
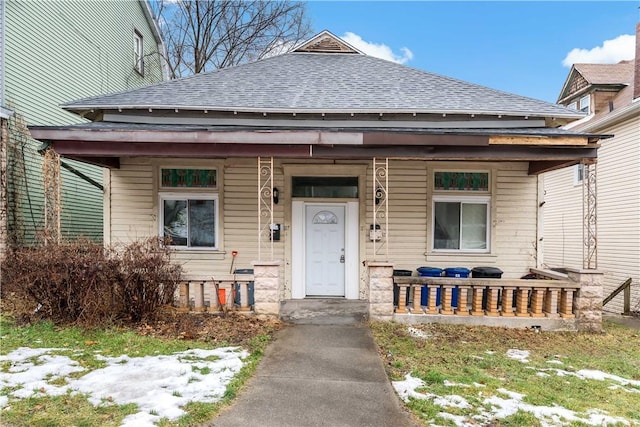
(461,224)
(578,174)
(585,103)
(138,52)
(188,215)
(573,106)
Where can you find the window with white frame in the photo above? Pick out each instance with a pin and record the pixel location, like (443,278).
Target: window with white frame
(189,207)
(138,52)
(461,211)
(578,174)
(585,104)
(461,223)
(573,106)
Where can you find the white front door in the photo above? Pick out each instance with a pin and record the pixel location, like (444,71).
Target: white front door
(325,250)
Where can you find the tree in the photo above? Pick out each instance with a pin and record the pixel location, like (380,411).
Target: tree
(205,35)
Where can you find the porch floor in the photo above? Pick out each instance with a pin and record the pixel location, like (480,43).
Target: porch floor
(324,311)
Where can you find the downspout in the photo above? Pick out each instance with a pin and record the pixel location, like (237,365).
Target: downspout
(47,144)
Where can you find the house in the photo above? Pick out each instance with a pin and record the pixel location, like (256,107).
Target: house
(610,95)
(53,52)
(326,169)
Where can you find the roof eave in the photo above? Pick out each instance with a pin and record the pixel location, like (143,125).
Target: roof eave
(90,111)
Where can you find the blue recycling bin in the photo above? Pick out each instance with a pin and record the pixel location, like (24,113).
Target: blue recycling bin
(237,287)
(429,272)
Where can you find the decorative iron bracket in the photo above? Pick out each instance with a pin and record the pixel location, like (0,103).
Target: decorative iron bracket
(589,216)
(265,208)
(380,206)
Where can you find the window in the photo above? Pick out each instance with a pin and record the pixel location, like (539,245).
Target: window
(585,103)
(189,220)
(330,187)
(189,207)
(138,52)
(578,174)
(573,106)
(461,223)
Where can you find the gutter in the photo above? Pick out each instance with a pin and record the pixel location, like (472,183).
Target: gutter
(47,144)
(155,30)
(626,112)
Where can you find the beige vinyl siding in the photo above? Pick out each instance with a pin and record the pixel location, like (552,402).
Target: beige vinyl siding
(56,52)
(562,233)
(618,210)
(134,214)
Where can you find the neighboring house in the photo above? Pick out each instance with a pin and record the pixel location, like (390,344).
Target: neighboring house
(610,95)
(359,163)
(53,52)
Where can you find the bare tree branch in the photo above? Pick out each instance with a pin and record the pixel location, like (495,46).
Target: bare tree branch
(204,35)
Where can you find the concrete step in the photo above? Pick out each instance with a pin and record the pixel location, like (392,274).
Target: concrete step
(324,311)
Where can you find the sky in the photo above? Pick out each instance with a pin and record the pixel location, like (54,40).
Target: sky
(523,47)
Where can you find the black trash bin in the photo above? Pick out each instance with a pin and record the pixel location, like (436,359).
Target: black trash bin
(396,288)
(489,273)
(237,287)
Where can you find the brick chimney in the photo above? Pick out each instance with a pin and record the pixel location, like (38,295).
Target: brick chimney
(636,67)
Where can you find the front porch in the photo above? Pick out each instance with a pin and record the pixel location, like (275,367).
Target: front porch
(550,301)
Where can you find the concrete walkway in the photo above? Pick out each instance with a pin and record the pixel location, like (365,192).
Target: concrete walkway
(318,375)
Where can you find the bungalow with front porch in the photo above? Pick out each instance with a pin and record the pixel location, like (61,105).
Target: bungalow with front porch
(326,170)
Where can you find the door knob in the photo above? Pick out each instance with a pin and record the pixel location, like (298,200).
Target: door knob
(342,259)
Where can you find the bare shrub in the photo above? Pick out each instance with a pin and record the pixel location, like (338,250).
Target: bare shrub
(83,282)
(149,279)
(68,282)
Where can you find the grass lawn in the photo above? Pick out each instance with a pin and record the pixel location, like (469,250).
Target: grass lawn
(87,350)
(514,377)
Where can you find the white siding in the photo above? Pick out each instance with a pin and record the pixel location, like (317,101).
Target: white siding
(618,204)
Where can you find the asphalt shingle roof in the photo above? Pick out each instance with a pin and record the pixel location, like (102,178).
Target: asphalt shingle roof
(325,82)
(620,73)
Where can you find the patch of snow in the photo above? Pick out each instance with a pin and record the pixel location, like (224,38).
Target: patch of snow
(503,406)
(521,355)
(159,385)
(417,333)
(407,388)
(490,352)
(453,401)
(555,362)
(448,383)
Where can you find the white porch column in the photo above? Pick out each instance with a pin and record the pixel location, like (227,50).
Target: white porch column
(589,300)
(380,290)
(266,287)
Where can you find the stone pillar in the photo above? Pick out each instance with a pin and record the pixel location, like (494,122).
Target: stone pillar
(588,304)
(380,290)
(266,287)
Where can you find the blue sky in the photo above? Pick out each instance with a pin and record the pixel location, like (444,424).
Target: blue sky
(515,46)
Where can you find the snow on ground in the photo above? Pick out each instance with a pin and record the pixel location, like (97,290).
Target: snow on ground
(159,385)
(417,333)
(505,404)
(521,355)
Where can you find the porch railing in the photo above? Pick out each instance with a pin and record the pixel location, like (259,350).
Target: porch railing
(486,297)
(232,292)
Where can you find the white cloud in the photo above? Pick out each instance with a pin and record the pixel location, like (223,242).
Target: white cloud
(381,51)
(611,52)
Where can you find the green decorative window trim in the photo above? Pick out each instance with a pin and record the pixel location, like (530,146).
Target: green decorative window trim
(461,181)
(189,178)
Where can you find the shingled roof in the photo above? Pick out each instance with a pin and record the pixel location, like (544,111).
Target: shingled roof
(328,79)
(620,73)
